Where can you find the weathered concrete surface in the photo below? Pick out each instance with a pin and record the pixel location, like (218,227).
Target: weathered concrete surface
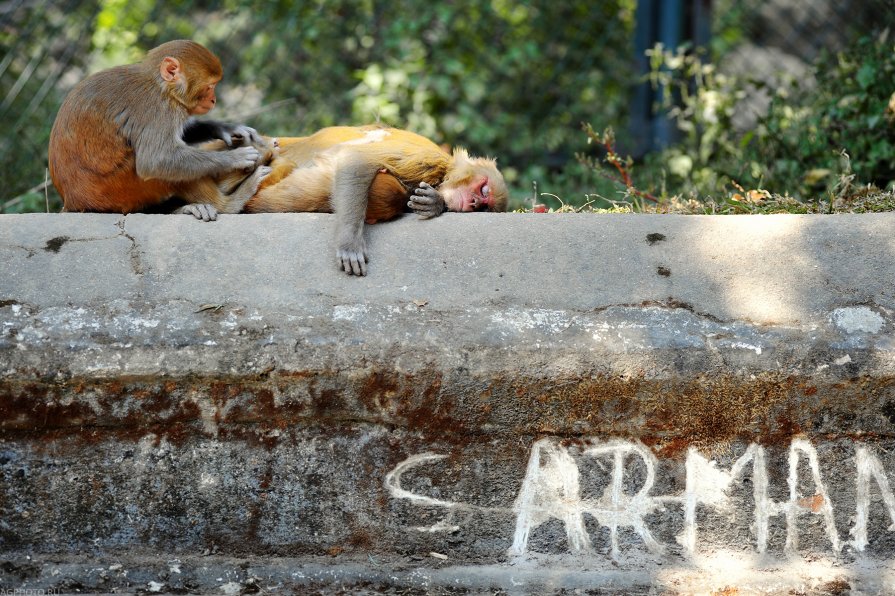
(526,403)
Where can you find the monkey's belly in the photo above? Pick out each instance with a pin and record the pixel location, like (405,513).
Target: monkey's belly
(307,190)
(387,198)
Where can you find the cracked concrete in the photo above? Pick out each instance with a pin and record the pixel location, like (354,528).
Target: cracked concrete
(709,403)
(135,249)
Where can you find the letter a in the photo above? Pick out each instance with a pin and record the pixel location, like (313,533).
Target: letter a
(550,490)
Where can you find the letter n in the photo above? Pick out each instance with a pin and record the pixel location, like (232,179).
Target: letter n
(869,467)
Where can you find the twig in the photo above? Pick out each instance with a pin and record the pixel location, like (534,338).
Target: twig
(607,141)
(18,199)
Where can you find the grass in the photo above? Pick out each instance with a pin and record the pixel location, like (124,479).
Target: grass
(866,200)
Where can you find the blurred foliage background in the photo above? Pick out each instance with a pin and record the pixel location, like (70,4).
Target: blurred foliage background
(792,96)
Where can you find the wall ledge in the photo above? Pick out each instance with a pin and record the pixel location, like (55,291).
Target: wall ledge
(694,402)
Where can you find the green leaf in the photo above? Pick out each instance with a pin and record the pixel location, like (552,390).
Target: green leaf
(866,75)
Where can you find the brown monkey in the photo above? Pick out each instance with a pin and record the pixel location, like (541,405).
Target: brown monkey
(119,142)
(371,174)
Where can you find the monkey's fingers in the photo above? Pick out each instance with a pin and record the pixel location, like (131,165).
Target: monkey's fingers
(202,211)
(426,202)
(248,134)
(245,157)
(426,212)
(239,135)
(424,197)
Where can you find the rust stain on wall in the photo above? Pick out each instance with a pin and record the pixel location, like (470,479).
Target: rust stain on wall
(669,416)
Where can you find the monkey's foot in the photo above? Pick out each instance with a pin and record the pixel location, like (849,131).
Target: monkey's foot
(352,259)
(426,201)
(203,211)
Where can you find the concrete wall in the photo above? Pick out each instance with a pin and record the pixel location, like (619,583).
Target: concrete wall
(526,403)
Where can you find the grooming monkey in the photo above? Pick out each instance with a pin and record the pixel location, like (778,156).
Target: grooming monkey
(120,140)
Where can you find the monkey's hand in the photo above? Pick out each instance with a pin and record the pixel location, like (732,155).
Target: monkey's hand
(243,158)
(240,136)
(203,211)
(352,257)
(426,201)
(234,135)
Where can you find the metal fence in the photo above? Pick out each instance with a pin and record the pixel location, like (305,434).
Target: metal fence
(761,40)
(47,47)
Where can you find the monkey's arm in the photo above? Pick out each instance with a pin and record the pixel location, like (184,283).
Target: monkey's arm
(199,131)
(351,183)
(426,201)
(285,141)
(167,157)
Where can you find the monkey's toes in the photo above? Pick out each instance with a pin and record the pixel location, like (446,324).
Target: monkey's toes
(352,262)
(202,211)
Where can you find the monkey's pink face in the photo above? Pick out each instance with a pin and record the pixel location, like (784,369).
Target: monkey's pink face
(476,195)
(474,185)
(206,101)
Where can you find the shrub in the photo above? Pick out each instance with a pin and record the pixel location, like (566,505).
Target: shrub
(816,143)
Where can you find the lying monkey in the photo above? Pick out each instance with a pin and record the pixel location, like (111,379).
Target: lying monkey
(370,174)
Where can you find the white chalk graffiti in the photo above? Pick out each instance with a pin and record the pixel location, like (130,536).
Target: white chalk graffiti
(551,490)
(393,482)
(707,485)
(869,466)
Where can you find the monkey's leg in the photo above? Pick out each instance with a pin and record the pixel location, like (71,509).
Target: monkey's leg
(303,190)
(228,183)
(238,198)
(351,184)
(426,201)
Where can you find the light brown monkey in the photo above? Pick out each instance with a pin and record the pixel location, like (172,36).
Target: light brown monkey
(371,174)
(117,144)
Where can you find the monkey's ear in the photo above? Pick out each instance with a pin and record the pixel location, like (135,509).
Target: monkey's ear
(460,155)
(169,69)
